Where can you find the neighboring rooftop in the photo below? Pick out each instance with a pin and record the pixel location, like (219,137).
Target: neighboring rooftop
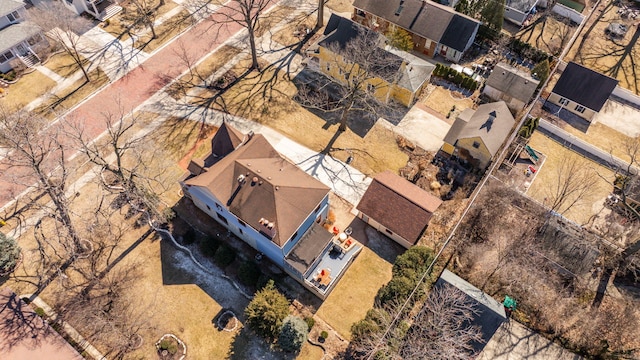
(522,5)
(9,6)
(398,205)
(416,70)
(254,182)
(25,336)
(512,81)
(16,33)
(585,86)
(491,122)
(490,313)
(426,18)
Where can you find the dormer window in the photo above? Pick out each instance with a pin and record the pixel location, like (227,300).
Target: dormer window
(13,16)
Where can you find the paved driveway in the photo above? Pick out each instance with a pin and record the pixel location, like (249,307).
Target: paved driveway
(421,127)
(620,117)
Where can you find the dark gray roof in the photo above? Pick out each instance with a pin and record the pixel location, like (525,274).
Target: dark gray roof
(9,6)
(460,30)
(585,86)
(513,82)
(14,34)
(341,31)
(425,18)
(490,313)
(490,122)
(309,248)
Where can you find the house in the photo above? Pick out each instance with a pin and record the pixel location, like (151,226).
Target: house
(25,335)
(582,91)
(436,29)
(17,36)
(404,75)
(477,135)
(99,9)
(511,85)
(517,11)
(396,207)
(272,205)
(489,313)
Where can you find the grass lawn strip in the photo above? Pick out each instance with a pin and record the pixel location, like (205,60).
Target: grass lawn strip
(355,293)
(62,64)
(28,88)
(547,176)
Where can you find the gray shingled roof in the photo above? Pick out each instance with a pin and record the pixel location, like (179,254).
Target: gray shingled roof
(585,86)
(14,34)
(490,122)
(425,18)
(513,82)
(522,5)
(9,6)
(415,72)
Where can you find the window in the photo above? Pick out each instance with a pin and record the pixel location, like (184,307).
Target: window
(222,218)
(563,101)
(388,231)
(580,108)
(294,235)
(317,209)
(6,57)
(359,12)
(242,222)
(208,208)
(476,144)
(241,233)
(13,16)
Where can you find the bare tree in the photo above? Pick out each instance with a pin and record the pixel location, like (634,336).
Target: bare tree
(144,14)
(123,158)
(368,335)
(364,73)
(442,330)
(64,27)
(574,180)
(37,158)
(246,13)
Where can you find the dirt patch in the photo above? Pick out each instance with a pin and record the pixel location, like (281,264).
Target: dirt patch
(443,101)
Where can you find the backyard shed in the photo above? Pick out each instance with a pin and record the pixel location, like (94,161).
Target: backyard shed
(397,208)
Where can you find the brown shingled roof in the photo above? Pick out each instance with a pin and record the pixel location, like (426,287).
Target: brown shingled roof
(398,205)
(282,194)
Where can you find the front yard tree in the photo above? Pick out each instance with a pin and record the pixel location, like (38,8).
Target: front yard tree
(361,60)
(9,254)
(267,311)
(124,169)
(64,27)
(36,159)
(144,15)
(293,334)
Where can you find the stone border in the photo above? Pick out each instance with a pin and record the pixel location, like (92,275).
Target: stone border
(184,346)
(233,317)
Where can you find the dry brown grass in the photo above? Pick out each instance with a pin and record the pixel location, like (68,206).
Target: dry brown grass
(547,176)
(548,34)
(166,31)
(118,24)
(604,138)
(340,6)
(27,89)
(286,37)
(273,17)
(74,94)
(355,294)
(267,99)
(62,64)
(441,100)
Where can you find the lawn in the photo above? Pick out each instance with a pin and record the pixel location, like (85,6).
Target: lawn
(62,64)
(547,34)
(273,17)
(286,36)
(166,31)
(359,286)
(603,137)
(547,176)
(28,88)
(118,24)
(442,101)
(72,95)
(340,6)
(267,99)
